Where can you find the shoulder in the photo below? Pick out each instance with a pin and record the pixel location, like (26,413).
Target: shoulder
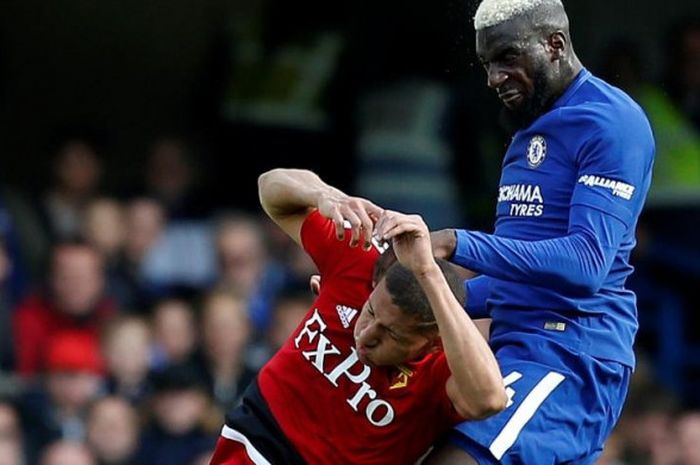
(605,111)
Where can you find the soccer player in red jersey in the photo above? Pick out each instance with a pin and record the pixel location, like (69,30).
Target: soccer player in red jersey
(379,368)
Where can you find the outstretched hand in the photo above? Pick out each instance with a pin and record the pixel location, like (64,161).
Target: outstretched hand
(361,214)
(410,239)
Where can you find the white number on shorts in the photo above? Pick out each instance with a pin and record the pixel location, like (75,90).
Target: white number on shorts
(509,434)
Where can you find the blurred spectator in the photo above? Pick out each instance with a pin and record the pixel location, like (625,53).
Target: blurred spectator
(683,71)
(163,256)
(56,409)
(612,452)
(183,258)
(74,300)
(103,227)
(145,222)
(174,332)
(289,308)
(297,265)
(646,428)
(77,170)
(176,435)
(171,178)
(650,439)
(688,430)
(203,459)
(11,447)
(67,453)
(113,431)
(127,345)
(245,267)
(226,333)
(289,311)
(145,225)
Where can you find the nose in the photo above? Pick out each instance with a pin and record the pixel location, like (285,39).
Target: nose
(369,335)
(495,76)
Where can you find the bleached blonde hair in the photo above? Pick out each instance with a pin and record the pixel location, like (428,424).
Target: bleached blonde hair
(493,12)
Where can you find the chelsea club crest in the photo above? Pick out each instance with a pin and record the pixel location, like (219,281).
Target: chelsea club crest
(536,151)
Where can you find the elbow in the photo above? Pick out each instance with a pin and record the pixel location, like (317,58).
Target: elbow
(271,187)
(588,267)
(494,403)
(265,179)
(485,406)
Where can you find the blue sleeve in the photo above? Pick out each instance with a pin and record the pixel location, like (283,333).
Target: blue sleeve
(577,262)
(613,164)
(478,290)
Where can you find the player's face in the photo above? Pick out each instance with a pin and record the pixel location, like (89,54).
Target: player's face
(385,335)
(517,64)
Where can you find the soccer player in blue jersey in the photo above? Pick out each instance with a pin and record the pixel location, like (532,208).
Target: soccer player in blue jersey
(552,276)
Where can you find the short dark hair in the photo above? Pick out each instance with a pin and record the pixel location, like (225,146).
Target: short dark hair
(383,263)
(409,296)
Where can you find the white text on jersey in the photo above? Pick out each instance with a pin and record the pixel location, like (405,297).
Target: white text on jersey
(379,412)
(528,196)
(618,188)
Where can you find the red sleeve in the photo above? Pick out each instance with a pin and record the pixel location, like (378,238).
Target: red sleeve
(331,256)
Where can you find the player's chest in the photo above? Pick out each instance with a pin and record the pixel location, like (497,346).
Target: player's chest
(537,179)
(324,353)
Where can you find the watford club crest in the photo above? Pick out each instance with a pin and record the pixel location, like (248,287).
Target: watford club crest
(401,379)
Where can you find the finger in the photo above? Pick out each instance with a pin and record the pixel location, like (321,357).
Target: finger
(390,221)
(375,212)
(386,221)
(339,223)
(406,225)
(355,226)
(315,284)
(396,231)
(367,226)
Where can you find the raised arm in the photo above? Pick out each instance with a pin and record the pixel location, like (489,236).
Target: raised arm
(476,386)
(289,195)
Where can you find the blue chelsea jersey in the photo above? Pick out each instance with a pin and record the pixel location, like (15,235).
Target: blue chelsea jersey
(572,187)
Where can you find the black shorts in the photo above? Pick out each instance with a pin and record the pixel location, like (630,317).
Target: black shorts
(254,419)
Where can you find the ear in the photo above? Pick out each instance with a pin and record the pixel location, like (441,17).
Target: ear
(435,344)
(556,45)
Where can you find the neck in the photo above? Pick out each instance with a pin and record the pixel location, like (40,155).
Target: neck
(570,69)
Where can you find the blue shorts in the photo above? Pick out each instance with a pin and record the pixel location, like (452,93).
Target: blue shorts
(562,408)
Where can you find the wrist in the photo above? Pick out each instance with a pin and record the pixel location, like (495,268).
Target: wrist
(427,272)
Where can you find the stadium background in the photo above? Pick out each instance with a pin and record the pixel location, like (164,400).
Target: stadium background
(139,127)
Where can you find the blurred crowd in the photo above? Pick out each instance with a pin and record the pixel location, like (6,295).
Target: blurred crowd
(132,318)
(131,324)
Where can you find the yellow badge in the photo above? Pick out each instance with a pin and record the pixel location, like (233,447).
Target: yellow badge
(401,378)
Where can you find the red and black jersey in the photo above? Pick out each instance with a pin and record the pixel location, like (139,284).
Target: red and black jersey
(332,408)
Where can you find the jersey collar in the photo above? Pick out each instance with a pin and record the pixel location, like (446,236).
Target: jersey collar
(583,76)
